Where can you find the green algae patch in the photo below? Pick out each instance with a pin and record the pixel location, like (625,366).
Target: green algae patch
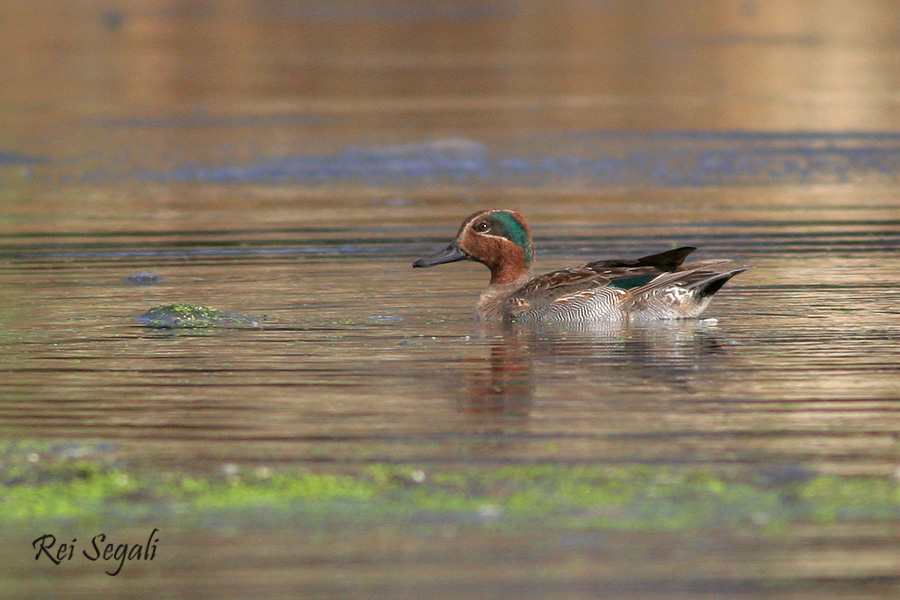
(271,490)
(190,316)
(45,480)
(82,482)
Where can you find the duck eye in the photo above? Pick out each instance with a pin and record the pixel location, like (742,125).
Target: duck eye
(482,226)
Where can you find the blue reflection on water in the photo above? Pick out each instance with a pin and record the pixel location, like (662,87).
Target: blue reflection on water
(665,158)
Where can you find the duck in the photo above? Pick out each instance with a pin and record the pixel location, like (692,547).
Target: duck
(658,286)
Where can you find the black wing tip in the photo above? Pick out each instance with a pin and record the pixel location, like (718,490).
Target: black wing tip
(668,260)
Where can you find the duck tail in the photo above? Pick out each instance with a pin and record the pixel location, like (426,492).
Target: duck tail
(680,294)
(708,286)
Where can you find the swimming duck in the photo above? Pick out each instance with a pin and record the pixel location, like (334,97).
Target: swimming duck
(657,286)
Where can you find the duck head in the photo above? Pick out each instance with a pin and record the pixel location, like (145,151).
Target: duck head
(499,239)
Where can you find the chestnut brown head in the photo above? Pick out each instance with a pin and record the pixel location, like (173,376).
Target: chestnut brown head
(499,239)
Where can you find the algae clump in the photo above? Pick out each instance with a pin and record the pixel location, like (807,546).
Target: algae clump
(190,316)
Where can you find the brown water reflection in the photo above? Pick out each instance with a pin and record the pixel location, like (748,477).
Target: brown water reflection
(290,159)
(504,385)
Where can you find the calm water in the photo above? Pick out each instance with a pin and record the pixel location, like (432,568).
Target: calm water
(291,160)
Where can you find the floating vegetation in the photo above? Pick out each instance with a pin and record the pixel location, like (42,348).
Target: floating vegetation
(40,480)
(190,316)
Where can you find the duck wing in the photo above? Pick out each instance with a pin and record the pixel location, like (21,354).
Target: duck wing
(631,273)
(654,286)
(667,261)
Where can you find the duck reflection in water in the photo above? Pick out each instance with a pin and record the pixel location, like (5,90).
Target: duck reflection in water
(500,390)
(503,386)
